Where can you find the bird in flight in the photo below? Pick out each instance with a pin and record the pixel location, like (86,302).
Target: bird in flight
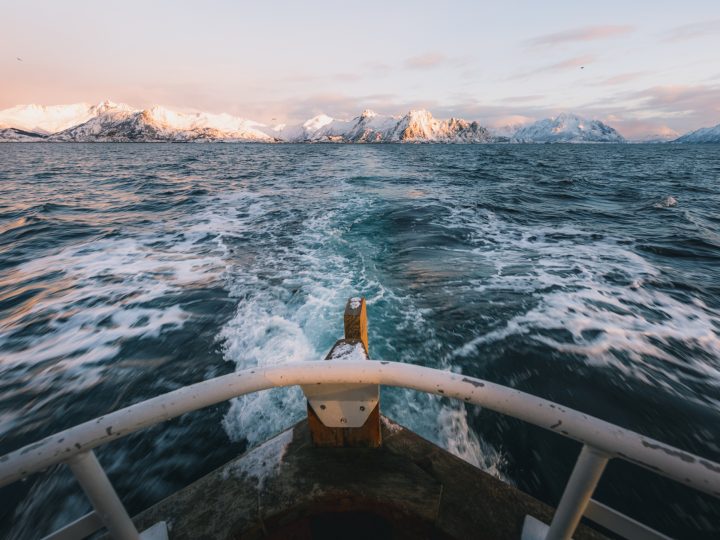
(582,67)
(19,59)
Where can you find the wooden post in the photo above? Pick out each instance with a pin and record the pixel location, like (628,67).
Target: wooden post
(355,319)
(368,435)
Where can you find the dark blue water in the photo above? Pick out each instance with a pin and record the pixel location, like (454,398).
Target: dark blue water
(585,274)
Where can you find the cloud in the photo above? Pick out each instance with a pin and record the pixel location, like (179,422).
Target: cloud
(655,110)
(642,129)
(514,120)
(347,77)
(564,65)
(587,33)
(692,31)
(620,79)
(685,99)
(425,61)
(377,67)
(337,105)
(522,99)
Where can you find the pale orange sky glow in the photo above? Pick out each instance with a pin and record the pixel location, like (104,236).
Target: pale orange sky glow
(644,67)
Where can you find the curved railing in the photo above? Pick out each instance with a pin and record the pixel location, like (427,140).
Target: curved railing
(602,440)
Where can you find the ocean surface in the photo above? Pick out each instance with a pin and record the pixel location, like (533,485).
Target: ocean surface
(585,274)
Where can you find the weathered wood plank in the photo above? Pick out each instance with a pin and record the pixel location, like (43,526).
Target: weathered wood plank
(356,322)
(369,434)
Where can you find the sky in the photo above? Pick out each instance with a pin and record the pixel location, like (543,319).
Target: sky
(643,67)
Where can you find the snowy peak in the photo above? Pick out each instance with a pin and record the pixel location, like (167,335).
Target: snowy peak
(421,126)
(317,122)
(418,125)
(53,118)
(568,128)
(222,125)
(702,135)
(107,105)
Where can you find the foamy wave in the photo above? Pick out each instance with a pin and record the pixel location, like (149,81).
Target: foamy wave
(594,294)
(103,292)
(290,301)
(444,422)
(289,305)
(667,202)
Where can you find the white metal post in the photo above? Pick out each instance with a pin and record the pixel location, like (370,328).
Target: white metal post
(99,490)
(585,476)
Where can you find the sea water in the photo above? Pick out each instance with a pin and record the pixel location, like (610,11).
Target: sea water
(585,274)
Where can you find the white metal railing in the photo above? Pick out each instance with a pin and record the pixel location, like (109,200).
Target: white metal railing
(601,440)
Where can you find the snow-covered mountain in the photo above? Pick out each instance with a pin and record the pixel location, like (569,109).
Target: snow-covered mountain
(53,118)
(702,135)
(567,128)
(113,122)
(299,133)
(123,124)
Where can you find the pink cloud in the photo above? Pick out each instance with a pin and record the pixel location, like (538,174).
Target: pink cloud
(620,79)
(694,30)
(425,61)
(649,111)
(682,98)
(641,129)
(522,99)
(587,33)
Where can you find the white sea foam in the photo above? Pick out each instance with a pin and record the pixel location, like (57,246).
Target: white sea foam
(667,202)
(290,310)
(105,294)
(287,312)
(595,290)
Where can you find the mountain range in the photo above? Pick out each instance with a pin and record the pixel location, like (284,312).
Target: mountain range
(112,122)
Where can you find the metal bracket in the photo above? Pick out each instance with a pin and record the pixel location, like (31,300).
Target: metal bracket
(343,405)
(534,529)
(159,531)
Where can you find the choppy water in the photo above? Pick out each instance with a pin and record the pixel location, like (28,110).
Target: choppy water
(589,275)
